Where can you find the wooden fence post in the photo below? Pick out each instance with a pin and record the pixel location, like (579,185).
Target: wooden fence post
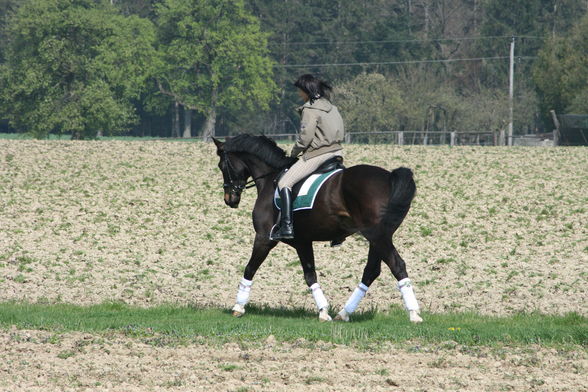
(452,142)
(401,138)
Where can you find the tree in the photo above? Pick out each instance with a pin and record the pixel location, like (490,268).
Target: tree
(7,7)
(370,103)
(532,19)
(330,32)
(561,72)
(420,100)
(73,66)
(214,55)
(142,8)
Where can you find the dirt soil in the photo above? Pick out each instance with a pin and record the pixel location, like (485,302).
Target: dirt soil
(42,361)
(494,230)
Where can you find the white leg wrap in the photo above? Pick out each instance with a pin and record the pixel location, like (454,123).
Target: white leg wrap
(244,290)
(319,296)
(353,301)
(408,297)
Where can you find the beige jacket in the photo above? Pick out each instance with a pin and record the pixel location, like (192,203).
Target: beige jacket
(321,129)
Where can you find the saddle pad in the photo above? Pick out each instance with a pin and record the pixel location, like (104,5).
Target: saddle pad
(304,200)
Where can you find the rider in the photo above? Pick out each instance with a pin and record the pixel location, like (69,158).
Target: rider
(320,137)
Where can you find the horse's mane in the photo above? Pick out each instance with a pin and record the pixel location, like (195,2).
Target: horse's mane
(262,147)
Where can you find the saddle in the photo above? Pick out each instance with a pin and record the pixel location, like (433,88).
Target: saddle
(329,165)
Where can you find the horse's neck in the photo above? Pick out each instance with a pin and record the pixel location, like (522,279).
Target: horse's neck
(259,169)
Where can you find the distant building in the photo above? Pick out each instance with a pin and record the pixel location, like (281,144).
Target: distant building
(571,129)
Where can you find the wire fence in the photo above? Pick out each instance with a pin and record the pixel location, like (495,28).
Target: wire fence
(435,138)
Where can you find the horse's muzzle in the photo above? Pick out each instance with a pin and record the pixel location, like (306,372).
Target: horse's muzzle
(232,199)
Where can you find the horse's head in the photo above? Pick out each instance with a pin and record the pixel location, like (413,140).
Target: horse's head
(235,174)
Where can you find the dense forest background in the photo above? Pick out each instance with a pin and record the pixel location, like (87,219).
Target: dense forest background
(185,68)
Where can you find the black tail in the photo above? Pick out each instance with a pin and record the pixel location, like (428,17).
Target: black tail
(402,191)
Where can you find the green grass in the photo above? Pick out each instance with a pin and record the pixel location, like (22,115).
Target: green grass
(368,328)
(26,136)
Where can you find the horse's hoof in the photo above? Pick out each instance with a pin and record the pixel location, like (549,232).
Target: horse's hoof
(324,316)
(342,316)
(414,317)
(238,310)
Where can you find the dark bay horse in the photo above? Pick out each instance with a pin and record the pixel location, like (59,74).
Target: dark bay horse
(365,199)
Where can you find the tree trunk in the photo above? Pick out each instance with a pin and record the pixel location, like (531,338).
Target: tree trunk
(556,131)
(187,123)
(475,19)
(409,4)
(176,122)
(208,130)
(502,137)
(173,124)
(427,20)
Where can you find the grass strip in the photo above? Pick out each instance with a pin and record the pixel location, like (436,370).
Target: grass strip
(67,137)
(368,328)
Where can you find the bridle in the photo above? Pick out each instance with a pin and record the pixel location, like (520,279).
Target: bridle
(231,186)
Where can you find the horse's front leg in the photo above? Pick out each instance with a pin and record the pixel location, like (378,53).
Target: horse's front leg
(306,254)
(261,248)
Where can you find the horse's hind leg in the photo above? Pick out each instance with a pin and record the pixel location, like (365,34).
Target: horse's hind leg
(383,251)
(370,273)
(306,254)
(398,268)
(261,248)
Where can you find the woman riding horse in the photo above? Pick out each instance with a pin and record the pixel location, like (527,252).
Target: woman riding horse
(361,199)
(321,134)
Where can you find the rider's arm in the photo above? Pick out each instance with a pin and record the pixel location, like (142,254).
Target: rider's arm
(308,125)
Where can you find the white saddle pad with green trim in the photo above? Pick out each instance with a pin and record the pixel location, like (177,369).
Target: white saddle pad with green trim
(306,195)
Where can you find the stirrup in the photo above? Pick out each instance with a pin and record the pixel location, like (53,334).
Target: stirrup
(276,234)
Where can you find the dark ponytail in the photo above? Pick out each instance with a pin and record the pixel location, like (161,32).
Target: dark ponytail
(314,87)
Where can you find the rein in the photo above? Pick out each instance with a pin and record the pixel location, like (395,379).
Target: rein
(252,181)
(239,188)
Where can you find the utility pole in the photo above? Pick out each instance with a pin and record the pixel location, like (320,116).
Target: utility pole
(511,90)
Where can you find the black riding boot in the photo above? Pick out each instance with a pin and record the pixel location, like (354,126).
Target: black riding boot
(285,231)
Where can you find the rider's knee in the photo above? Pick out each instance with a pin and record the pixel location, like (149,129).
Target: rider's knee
(284,183)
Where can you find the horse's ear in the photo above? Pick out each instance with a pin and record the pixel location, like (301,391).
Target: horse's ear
(219,144)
